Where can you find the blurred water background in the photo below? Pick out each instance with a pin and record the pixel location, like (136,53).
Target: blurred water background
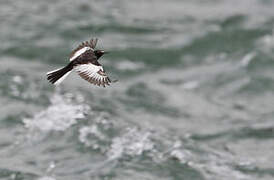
(194,99)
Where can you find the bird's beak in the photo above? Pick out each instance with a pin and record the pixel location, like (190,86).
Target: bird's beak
(105,52)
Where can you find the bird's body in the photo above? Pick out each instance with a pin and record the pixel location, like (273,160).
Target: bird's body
(84,60)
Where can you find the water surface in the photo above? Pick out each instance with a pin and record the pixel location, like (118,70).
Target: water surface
(194,98)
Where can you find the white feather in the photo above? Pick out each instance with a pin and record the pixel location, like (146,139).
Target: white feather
(79,52)
(62,78)
(90,70)
(53,71)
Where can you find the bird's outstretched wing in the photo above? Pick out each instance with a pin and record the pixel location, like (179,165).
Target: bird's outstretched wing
(93,74)
(83,47)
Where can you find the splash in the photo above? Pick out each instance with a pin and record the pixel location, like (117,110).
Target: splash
(91,136)
(59,116)
(96,135)
(132,143)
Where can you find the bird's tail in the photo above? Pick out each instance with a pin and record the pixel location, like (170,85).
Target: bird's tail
(58,75)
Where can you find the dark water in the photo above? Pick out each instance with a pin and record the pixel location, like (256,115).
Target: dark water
(194,99)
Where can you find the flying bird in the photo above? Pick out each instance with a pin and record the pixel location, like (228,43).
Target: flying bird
(83,60)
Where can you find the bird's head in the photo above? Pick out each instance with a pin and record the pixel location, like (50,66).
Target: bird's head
(99,53)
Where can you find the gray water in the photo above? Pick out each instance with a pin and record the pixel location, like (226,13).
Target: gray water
(194,100)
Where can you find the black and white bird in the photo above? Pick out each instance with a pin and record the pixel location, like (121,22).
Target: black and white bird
(83,60)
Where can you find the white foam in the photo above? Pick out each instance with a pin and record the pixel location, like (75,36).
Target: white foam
(17,79)
(132,143)
(46,178)
(129,65)
(184,156)
(90,136)
(191,85)
(247,58)
(59,116)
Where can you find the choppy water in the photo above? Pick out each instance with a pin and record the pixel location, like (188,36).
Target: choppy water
(194,98)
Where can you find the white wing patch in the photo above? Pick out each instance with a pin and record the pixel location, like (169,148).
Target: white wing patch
(79,52)
(93,74)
